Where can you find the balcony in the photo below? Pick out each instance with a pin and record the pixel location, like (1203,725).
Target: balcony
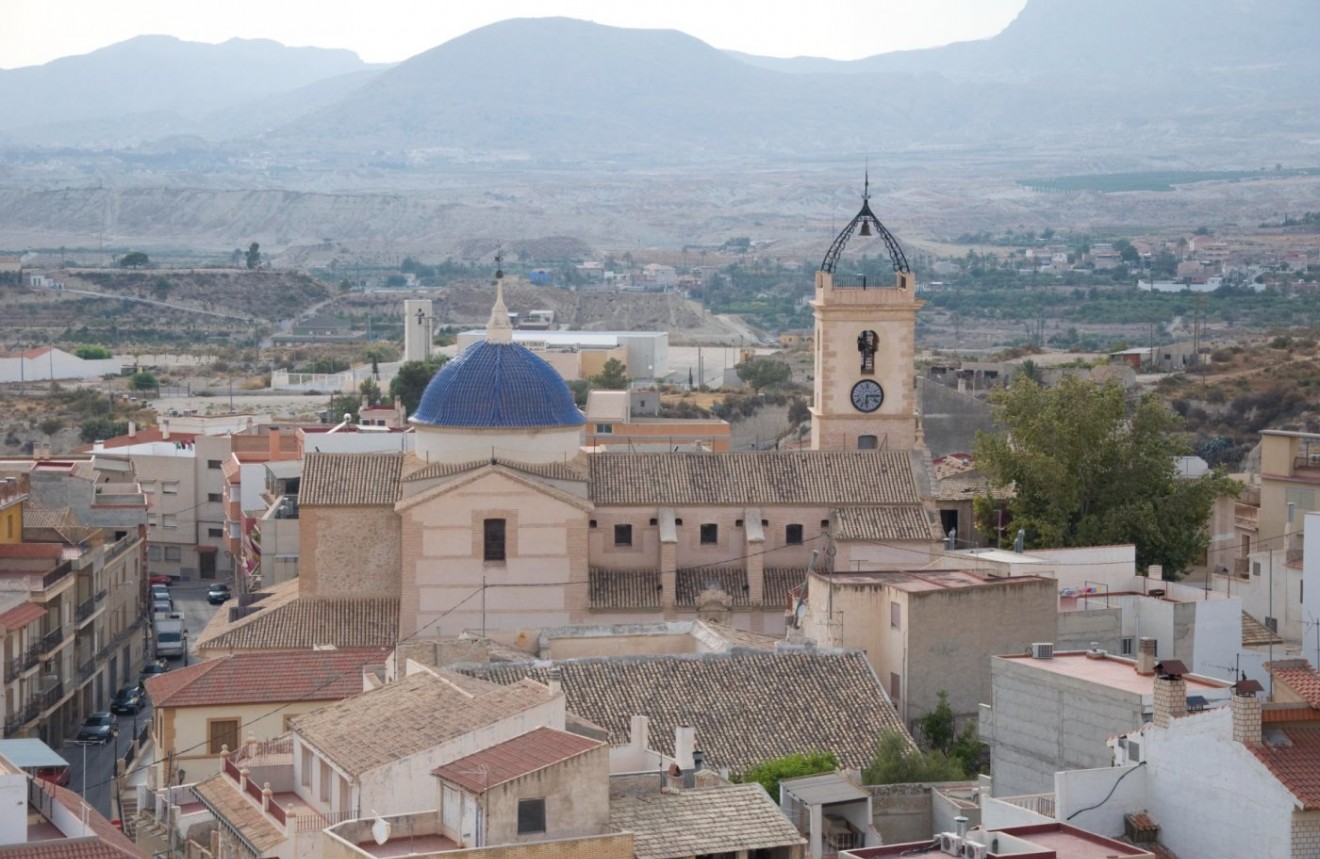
(84,611)
(120,546)
(52,639)
(23,662)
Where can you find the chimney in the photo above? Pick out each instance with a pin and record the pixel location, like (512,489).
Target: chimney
(165,430)
(1170,692)
(1155,572)
(132,429)
(1246,712)
(685,743)
(1146,656)
(556,683)
(640,733)
(41,450)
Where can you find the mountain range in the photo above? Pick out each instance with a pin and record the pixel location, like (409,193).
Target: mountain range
(1119,82)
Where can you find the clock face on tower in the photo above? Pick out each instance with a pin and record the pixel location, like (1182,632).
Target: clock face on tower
(867,395)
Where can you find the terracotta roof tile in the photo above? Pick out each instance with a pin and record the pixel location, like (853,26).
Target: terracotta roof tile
(703,822)
(876,524)
(350,479)
(1296,762)
(265,677)
(778,581)
(551,470)
(221,795)
(301,623)
(746,706)
(623,588)
(419,712)
(1256,633)
(1300,677)
(495,765)
(765,478)
(21,615)
(109,841)
(689,583)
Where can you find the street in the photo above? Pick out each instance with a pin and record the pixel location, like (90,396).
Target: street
(98,761)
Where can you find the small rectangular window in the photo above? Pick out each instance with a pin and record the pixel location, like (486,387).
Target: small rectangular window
(531,816)
(623,535)
(493,540)
(169,520)
(710,534)
(793,535)
(867,442)
(221,732)
(215,532)
(895,615)
(591,524)
(825,524)
(153,553)
(895,687)
(604,429)
(214,497)
(173,553)
(213,463)
(169,487)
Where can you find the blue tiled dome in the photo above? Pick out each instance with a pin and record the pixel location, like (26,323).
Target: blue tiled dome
(497,385)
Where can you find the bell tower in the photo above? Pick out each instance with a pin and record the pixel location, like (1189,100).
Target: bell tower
(865,349)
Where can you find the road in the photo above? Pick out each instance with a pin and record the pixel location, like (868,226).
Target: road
(190,600)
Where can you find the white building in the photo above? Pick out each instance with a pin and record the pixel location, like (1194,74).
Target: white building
(46,363)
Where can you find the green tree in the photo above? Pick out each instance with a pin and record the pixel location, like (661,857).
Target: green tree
(410,382)
(143,382)
(50,426)
(938,732)
(370,392)
(1088,467)
(898,762)
(580,389)
(101,428)
(763,373)
(775,770)
(136,259)
(613,376)
(162,288)
(253,255)
(93,353)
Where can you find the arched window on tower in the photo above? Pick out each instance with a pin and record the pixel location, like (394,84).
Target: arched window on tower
(867,342)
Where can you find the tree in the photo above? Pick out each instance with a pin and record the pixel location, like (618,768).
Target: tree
(93,353)
(370,392)
(613,376)
(162,288)
(898,762)
(775,770)
(939,733)
(763,373)
(136,259)
(253,255)
(50,426)
(410,382)
(101,428)
(143,382)
(1089,468)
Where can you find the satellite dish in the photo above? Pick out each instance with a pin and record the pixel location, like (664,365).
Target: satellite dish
(380,830)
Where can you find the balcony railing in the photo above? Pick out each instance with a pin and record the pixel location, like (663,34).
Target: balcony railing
(85,609)
(1307,461)
(52,695)
(102,594)
(117,548)
(52,639)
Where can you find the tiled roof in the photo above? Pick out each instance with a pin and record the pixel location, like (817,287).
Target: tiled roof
(307,622)
(492,385)
(400,719)
(110,843)
(777,583)
(550,470)
(1300,677)
(703,822)
(219,794)
(264,677)
(733,637)
(764,478)
(874,524)
(495,765)
(350,479)
(688,584)
(1255,633)
(21,615)
(623,588)
(747,707)
(1296,762)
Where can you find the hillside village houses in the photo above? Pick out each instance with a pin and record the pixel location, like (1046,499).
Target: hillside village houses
(503,621)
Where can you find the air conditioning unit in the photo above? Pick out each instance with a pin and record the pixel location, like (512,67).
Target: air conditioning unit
(972,850)
(1042,650)
(951,843)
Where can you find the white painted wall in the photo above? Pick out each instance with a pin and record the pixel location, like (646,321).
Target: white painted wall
(1311,587)
(59,363)
(13,808)
(1075,790)
(997,814)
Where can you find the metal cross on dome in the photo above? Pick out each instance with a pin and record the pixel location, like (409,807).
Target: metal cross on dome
(867,220)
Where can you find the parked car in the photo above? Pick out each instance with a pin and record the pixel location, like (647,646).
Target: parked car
(159,579)
(98,728)
(217,594)
(162,606)
(128,701)
(160,592)
(152,668)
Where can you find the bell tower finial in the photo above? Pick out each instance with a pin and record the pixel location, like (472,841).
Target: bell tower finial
(498,329)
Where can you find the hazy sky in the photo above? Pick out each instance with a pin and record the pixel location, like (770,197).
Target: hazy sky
(37,31)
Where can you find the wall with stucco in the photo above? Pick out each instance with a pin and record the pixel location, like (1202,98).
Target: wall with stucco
(349,551)
(576,794)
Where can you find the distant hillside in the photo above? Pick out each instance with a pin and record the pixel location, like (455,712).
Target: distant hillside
(154,85)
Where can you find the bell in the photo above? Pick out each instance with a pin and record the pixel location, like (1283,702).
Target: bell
(866,228)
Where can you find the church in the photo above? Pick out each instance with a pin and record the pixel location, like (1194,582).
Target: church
(501,522)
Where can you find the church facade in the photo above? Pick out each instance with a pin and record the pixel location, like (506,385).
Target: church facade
(501,522)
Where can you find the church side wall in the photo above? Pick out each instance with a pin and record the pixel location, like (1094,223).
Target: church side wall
(349,551)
